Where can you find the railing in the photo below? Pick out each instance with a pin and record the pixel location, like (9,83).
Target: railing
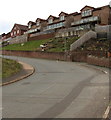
(86,20)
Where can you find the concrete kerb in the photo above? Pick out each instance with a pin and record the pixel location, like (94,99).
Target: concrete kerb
(25,67)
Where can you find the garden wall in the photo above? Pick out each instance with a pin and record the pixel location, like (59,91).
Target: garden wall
(75,56)
(43,55)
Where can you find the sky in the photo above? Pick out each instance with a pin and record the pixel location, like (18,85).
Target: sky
(23,11)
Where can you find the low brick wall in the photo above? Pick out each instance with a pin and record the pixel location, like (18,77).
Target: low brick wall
(41,37)
(79,56)
(75,56)
(104,62)
(91,57)
(43,55)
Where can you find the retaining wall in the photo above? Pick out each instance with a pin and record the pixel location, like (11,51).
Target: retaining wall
(37,54)
(93,59)
(41,37)
(19,39)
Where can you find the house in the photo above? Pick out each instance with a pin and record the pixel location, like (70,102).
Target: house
(72,24)
(18,30)
(41,24)
(56,22)
(85,20)
(90,16)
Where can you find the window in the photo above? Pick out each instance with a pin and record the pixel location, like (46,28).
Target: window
(50,20)
(38,23)
(12,34)
(17,31)
(30,25)
(62,18)
(86,13)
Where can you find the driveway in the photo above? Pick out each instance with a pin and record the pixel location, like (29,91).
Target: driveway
(57,90)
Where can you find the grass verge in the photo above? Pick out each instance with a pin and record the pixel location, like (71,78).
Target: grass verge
(9,67)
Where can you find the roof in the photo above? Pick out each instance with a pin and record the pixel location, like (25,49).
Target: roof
(99,8)
(40,19)
(75,13)
(53,17)
(87,6)
(64,13)
(22,27)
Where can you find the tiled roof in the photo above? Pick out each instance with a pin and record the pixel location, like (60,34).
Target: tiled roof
(53,17)
(64,13)
(40,19)
(87,6)
(75,13)
(22,27)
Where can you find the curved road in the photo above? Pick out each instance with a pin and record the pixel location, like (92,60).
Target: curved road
(57,90)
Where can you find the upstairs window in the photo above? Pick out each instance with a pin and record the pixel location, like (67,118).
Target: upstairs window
(12,34)
(17,31)
(62,18)
(30,25)
(86,13)
(38,23)
(50,21)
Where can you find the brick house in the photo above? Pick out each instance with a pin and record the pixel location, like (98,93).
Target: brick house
(41,24)
(56,22)
(90,16)
(74,23)
(18,30)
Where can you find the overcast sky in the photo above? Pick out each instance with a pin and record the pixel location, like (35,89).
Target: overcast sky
(22,11)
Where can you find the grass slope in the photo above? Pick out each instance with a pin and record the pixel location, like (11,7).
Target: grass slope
(52,45)
(28,46)
(9,67)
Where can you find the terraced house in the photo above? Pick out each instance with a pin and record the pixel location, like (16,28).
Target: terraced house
(18,30)
(64,25)
(72,24)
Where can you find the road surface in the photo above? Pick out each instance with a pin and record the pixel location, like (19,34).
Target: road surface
(57,90)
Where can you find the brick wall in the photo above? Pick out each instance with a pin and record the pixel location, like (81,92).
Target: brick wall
(43,55)
(41,37)
(75,56)
(104,62)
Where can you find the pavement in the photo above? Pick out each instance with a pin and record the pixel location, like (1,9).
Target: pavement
(57,90)
(26,71)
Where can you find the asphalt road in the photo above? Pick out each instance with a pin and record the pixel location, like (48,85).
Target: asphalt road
(57,90)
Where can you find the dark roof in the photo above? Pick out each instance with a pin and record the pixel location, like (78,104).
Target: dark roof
(99,8)
(33,23)
(64,13)
(52,16)
(40,19)
(75,13)
(87,6)
(22,27)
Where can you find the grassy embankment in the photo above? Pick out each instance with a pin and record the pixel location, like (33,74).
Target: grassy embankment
(9,67)
(52,45)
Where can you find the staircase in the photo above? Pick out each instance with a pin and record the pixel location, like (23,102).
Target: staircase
(87,36)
